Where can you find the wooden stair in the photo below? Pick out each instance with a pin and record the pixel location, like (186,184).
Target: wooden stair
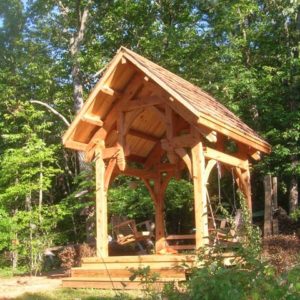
(114,272)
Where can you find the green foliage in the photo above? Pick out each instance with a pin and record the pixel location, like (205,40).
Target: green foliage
(148,281)
(129,197)
(295,215)
(8,272)
(179,199)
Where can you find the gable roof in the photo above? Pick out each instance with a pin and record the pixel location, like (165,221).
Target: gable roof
(206,110)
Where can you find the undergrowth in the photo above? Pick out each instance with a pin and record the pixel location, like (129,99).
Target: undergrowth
(247,276)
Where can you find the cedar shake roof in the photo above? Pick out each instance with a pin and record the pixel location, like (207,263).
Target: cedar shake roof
(194,98)
(189,101)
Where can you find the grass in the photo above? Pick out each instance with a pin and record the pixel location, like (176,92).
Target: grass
(78,294)
(8,272)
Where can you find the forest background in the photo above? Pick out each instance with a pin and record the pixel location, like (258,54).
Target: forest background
(243,52)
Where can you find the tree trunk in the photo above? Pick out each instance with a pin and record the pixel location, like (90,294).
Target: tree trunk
(41,192)
(293,197)
(77,86)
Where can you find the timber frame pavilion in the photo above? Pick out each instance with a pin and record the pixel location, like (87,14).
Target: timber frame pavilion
(141,112)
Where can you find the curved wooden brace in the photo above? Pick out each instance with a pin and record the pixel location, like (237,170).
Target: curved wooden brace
(244,184)
(209,166)
(109,172)
(150,189)
(165,183)
(182,153)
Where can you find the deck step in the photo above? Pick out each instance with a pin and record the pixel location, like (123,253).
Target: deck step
(124,273)
(111,283)
(153,261)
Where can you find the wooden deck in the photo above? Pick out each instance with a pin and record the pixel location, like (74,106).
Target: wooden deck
(114,272)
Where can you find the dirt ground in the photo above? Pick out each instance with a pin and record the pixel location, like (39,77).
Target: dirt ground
(16,286)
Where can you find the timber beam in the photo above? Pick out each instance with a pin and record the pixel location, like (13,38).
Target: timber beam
(188,140)
(142,102)
(225,158)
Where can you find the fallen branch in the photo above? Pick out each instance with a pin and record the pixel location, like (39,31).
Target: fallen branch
(52,110)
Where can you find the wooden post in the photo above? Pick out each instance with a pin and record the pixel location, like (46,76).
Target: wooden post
(275,205)
(248,189)
(268,205)
(101,205)
(160,241)
(201,218)
(157,194)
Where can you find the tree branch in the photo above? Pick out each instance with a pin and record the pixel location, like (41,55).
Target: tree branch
(54,111)
(76,40)
(64,9)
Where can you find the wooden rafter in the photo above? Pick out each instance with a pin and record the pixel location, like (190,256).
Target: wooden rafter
(109,91)
(92,97)
(92,119)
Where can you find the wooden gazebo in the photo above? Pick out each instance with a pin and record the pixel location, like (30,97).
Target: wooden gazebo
(140,112)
